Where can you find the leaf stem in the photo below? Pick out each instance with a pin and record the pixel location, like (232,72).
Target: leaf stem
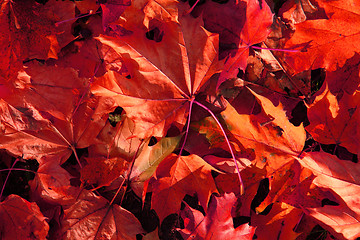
(76,156)
(228,143)
(188,125)
(76,18)
(19,169)
(276,49)
(192,8)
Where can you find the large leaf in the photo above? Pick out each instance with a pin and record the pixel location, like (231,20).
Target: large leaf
(164,73)
(53,114)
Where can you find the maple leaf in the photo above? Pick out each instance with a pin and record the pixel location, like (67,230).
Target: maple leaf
(21,41)
(21,219)
(52,115)
(280,222)
(342,178)
(91,217)
(164,74)
(345,79)
(52,184)
(240,25)
(177,176)
(334,119)
(217,223)
(102,171)
(266,137)
(326,42)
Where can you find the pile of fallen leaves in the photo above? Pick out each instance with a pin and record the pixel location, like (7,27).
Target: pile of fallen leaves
(159,119)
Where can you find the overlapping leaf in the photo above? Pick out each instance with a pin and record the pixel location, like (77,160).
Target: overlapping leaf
(91,217)
(217,223)
(334,119)
(164,73)
(343,179)
(272,139)
(327,40)
(51,114)
(177,176)
(21,219)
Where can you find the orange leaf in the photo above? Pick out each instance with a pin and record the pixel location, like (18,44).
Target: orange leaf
(92,218)
(164,73)
(177,176)
(275,141)
(53,114)
(334,119)
(328,41)
(343,179)
(280,222)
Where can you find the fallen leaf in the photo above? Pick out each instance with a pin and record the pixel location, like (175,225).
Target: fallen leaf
(326,42)
(148,160)
(52,184)
(334,119)
(274,142)
(91,217)
(177,176)
(342,178)
(217,223)
(280,222)
(158,92)
(21,219)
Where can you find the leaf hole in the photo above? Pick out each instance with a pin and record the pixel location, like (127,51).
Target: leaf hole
(155,35)
(115,116)
(327,201)
(152,141)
